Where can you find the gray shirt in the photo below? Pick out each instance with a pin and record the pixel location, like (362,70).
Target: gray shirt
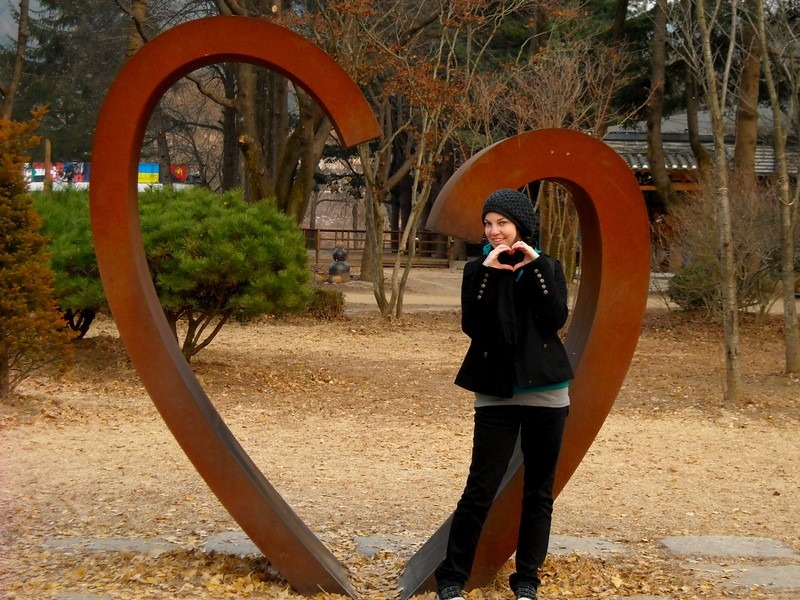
(554,398)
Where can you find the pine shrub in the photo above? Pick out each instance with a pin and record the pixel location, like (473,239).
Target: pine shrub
(216,257)
(212,258)
(65,216)
(32,333)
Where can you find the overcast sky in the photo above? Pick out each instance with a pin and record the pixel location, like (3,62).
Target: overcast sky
(8,26)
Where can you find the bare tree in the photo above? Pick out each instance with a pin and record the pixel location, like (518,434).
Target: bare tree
(9,88)
(138,35)
(715,94)
(788,58)
(196,129)
(692,94)
(418,62)
(276,161)
(279,163)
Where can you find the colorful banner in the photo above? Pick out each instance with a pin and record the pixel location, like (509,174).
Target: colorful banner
(60,172)
(78,172)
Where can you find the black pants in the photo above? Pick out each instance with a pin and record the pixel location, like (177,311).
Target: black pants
(495,437)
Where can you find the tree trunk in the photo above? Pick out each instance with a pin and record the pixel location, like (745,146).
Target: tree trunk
(136,39)
(744,153)
(48,166)
(230,148)
(372,258)
(294,182)
(276,120)
(655,109)
(620,15)
(699,151)
(538,29)
(164,157)
(10,91)
(5,375)
(788,275)
(259,179)
(692,104)
(730,306)
(376,167)
(724,237)
(787,206)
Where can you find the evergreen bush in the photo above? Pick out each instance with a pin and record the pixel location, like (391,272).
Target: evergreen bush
(80,294)
(212,258)
(32,335)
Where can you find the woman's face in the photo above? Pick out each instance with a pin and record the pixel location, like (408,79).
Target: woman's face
(499,229)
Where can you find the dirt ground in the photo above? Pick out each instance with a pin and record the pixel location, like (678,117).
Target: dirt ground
(358,425)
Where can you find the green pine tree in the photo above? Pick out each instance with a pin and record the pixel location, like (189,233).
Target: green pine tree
(215,258)
(78,288)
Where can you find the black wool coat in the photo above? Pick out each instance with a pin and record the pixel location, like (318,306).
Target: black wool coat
(513,320)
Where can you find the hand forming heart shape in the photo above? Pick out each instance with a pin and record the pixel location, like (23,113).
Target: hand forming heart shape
(601,339)
(511,257)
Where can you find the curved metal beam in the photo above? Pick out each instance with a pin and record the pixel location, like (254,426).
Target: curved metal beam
(216,454)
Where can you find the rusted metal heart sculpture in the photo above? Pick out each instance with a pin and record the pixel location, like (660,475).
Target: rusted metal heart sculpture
(602,335)
(216,454)
(615,272)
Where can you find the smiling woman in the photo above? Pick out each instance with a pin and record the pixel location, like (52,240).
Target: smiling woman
(615,268)
(519,371)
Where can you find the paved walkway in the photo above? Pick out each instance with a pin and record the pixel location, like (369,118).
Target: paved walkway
(741,562)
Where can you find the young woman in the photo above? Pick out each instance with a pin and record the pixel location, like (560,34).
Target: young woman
(513,303)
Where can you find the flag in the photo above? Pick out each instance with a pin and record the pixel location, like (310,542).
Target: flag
(179,172)
(148,172)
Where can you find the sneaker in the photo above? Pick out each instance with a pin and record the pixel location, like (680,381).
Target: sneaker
(451,592)
(525,592)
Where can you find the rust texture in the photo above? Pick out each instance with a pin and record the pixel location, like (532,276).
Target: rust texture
(605,326)
(216,454)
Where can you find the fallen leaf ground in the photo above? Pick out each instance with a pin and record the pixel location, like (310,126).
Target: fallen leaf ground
(358,425)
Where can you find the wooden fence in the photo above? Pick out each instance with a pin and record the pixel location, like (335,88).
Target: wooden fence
(430,249)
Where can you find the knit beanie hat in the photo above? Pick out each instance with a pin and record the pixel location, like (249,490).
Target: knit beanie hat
(515,206)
